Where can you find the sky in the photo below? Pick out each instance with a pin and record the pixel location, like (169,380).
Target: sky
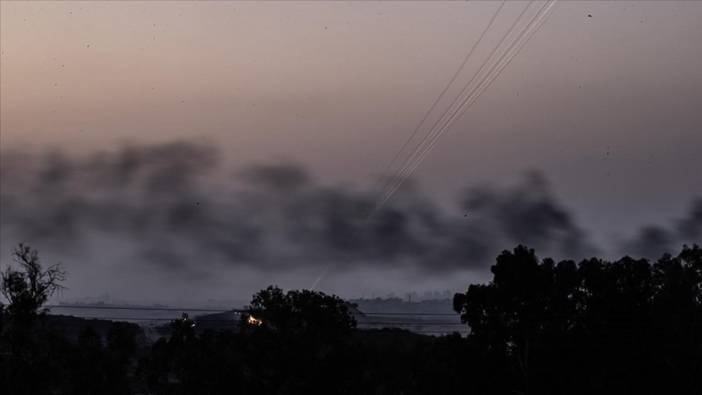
(601,106)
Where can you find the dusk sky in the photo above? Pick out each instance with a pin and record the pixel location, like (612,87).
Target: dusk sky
(604,103)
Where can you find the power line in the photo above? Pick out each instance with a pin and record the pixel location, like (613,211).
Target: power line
(411,158)
(432,137)
(491,75)
(417,314)
(234,321)
(186,309)
(443,92)
(605,323)
(620,316)
(413,323)
(453,109)
(116,318)
(419,126)
(149,308)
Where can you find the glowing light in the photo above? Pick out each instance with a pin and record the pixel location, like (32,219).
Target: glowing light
(254,321)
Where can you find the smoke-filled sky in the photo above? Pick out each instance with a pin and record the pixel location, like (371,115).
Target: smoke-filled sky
(212,148)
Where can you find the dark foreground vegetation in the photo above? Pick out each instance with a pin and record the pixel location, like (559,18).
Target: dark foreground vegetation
(540,327)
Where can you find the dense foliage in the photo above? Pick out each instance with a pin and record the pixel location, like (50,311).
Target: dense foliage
(622,327)
(539,327)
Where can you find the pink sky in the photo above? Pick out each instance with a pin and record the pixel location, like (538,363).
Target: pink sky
(608,106)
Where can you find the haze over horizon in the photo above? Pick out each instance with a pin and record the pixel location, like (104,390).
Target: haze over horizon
(250,136)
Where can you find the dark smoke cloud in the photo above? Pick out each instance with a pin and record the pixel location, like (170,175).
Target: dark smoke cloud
(690,228)
(652,241)
(530,214)
(176,208)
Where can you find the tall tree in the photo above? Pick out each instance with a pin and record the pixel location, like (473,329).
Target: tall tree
(28,288)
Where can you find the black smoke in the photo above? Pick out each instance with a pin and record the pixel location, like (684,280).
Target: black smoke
(175,206)
(654,240)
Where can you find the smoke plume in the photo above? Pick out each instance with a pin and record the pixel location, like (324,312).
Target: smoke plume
(175,207)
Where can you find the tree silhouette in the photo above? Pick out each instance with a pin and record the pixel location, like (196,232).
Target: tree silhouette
(624,326)
(298,312)
(28,289)
(539,327)
(29,362)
